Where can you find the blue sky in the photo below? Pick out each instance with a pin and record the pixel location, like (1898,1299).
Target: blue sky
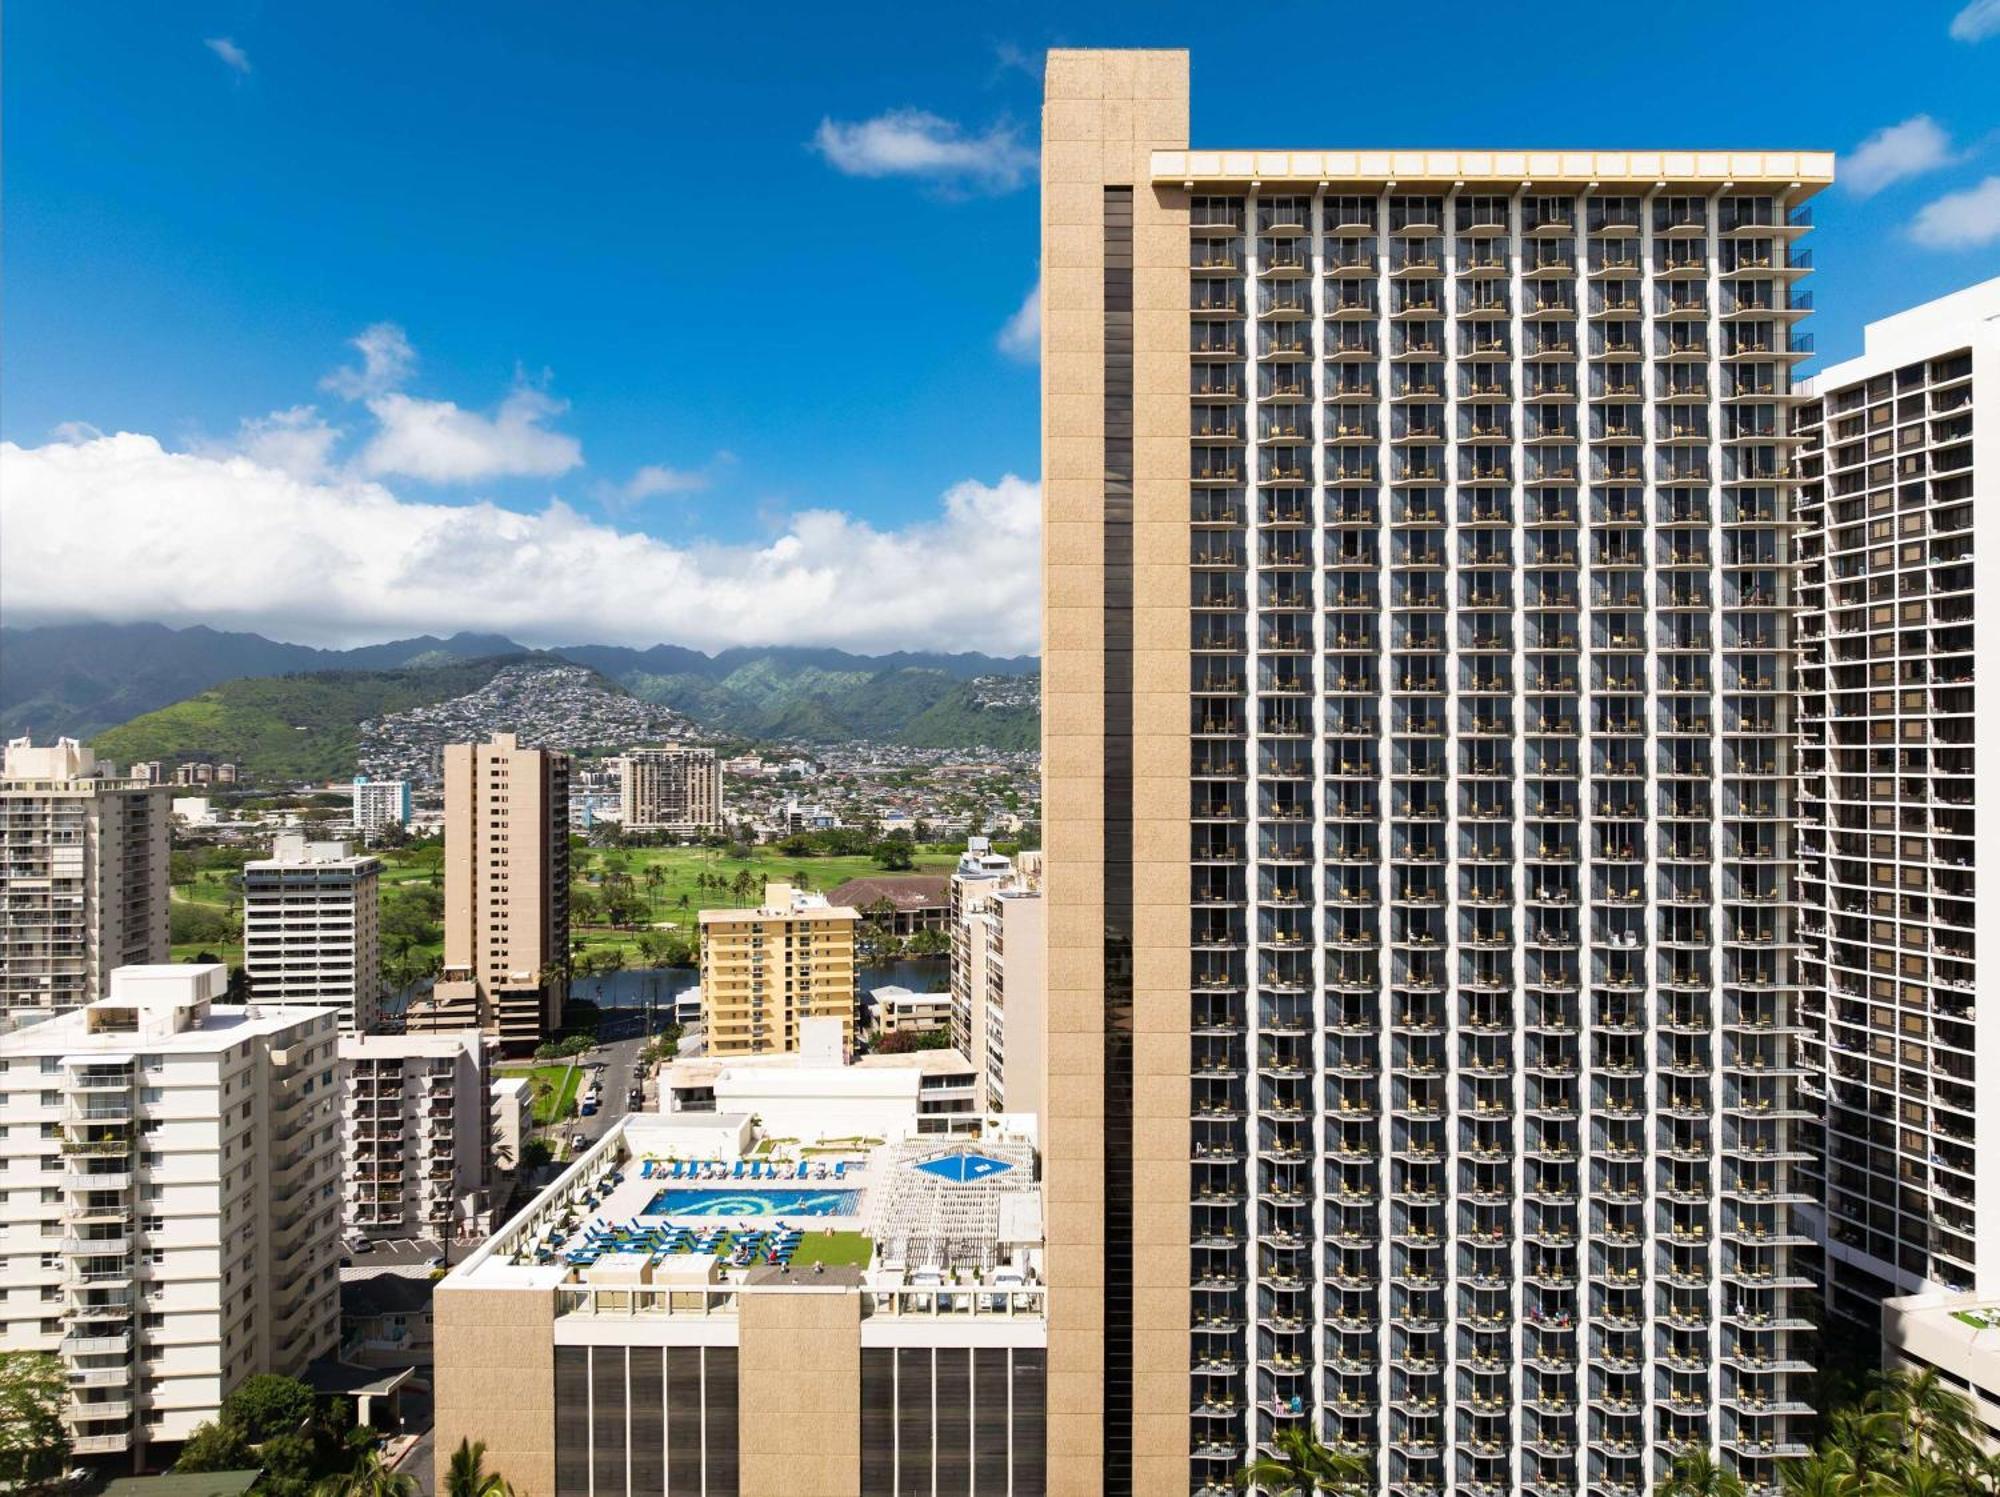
(694,271)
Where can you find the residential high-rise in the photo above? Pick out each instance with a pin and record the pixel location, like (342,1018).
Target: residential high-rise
(506,892)
(378,805)
(415,1113)
(765,970)
(312,929)
(83,874)
(172,1222)
(998,975)
(1422,1031)
(675,789)
(1896,450)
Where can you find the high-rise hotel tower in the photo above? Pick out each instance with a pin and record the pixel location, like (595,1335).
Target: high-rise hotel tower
(1897,452)
(1423,1036)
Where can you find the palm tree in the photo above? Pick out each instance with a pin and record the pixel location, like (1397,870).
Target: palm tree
(1825,1474)
(467,1475)
(370,1477)
(1866,1438)
(1305,1466)
(1938,1418)
(1913,1476)
(1696,1473)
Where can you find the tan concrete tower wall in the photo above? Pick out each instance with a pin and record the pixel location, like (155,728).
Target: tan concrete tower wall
(1104,113)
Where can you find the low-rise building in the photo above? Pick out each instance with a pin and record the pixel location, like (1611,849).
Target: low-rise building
(312,929)
(903,903)
(765,970)
(386,1321)
(1956,1336)
(415,1110)
(171,1224)
(635,1329)
(899,1010)
(815,1090)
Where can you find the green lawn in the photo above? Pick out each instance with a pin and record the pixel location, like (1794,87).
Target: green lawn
(840,1248)
(555,1088)
(681,870)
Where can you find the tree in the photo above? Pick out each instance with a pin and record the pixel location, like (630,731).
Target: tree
(467,1475)
(1304,1466)
(894,853)
(267,1404)
(34,1441)
(1939,1419)
(1823,1474)
(370,1476)
(216,1445)
(1696,1473)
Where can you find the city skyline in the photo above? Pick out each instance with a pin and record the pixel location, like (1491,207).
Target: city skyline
(511,393)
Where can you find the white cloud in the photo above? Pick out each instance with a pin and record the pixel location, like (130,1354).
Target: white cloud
(233,56)
(913,143)
(1895,152)
(295,441)
(1976,22)
(1960,220)
(74,431)
(346,560)
(439,441)
(653,480)
(386,361)
(1021,334)
(1011,58)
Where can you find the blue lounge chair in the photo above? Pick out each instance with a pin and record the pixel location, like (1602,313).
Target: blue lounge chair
(840,1170)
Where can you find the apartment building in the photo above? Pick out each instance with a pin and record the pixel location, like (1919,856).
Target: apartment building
(1895,450)
(616,1337)
(172,1220)
(675,789)
(83,874)
(415,1117)
(999,975)
(312,929)
(379,805)
(506,893)
(1423,1020)
(765,970)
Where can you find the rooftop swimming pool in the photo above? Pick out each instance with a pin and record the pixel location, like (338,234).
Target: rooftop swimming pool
(749,1203)
(964,1167)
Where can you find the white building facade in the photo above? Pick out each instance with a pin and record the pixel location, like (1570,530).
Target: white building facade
(1898,456)
(996,917)
(312,929)
(417,1119)
(172,1215)
(83,875)
(378,805)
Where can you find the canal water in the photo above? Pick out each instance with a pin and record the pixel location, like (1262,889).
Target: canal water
(636,987)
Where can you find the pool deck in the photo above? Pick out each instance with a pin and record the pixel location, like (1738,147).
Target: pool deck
(632,1197)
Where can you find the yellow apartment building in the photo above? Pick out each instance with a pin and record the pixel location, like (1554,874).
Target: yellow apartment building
(764,970)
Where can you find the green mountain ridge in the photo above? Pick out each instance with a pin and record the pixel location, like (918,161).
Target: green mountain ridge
(304,725)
